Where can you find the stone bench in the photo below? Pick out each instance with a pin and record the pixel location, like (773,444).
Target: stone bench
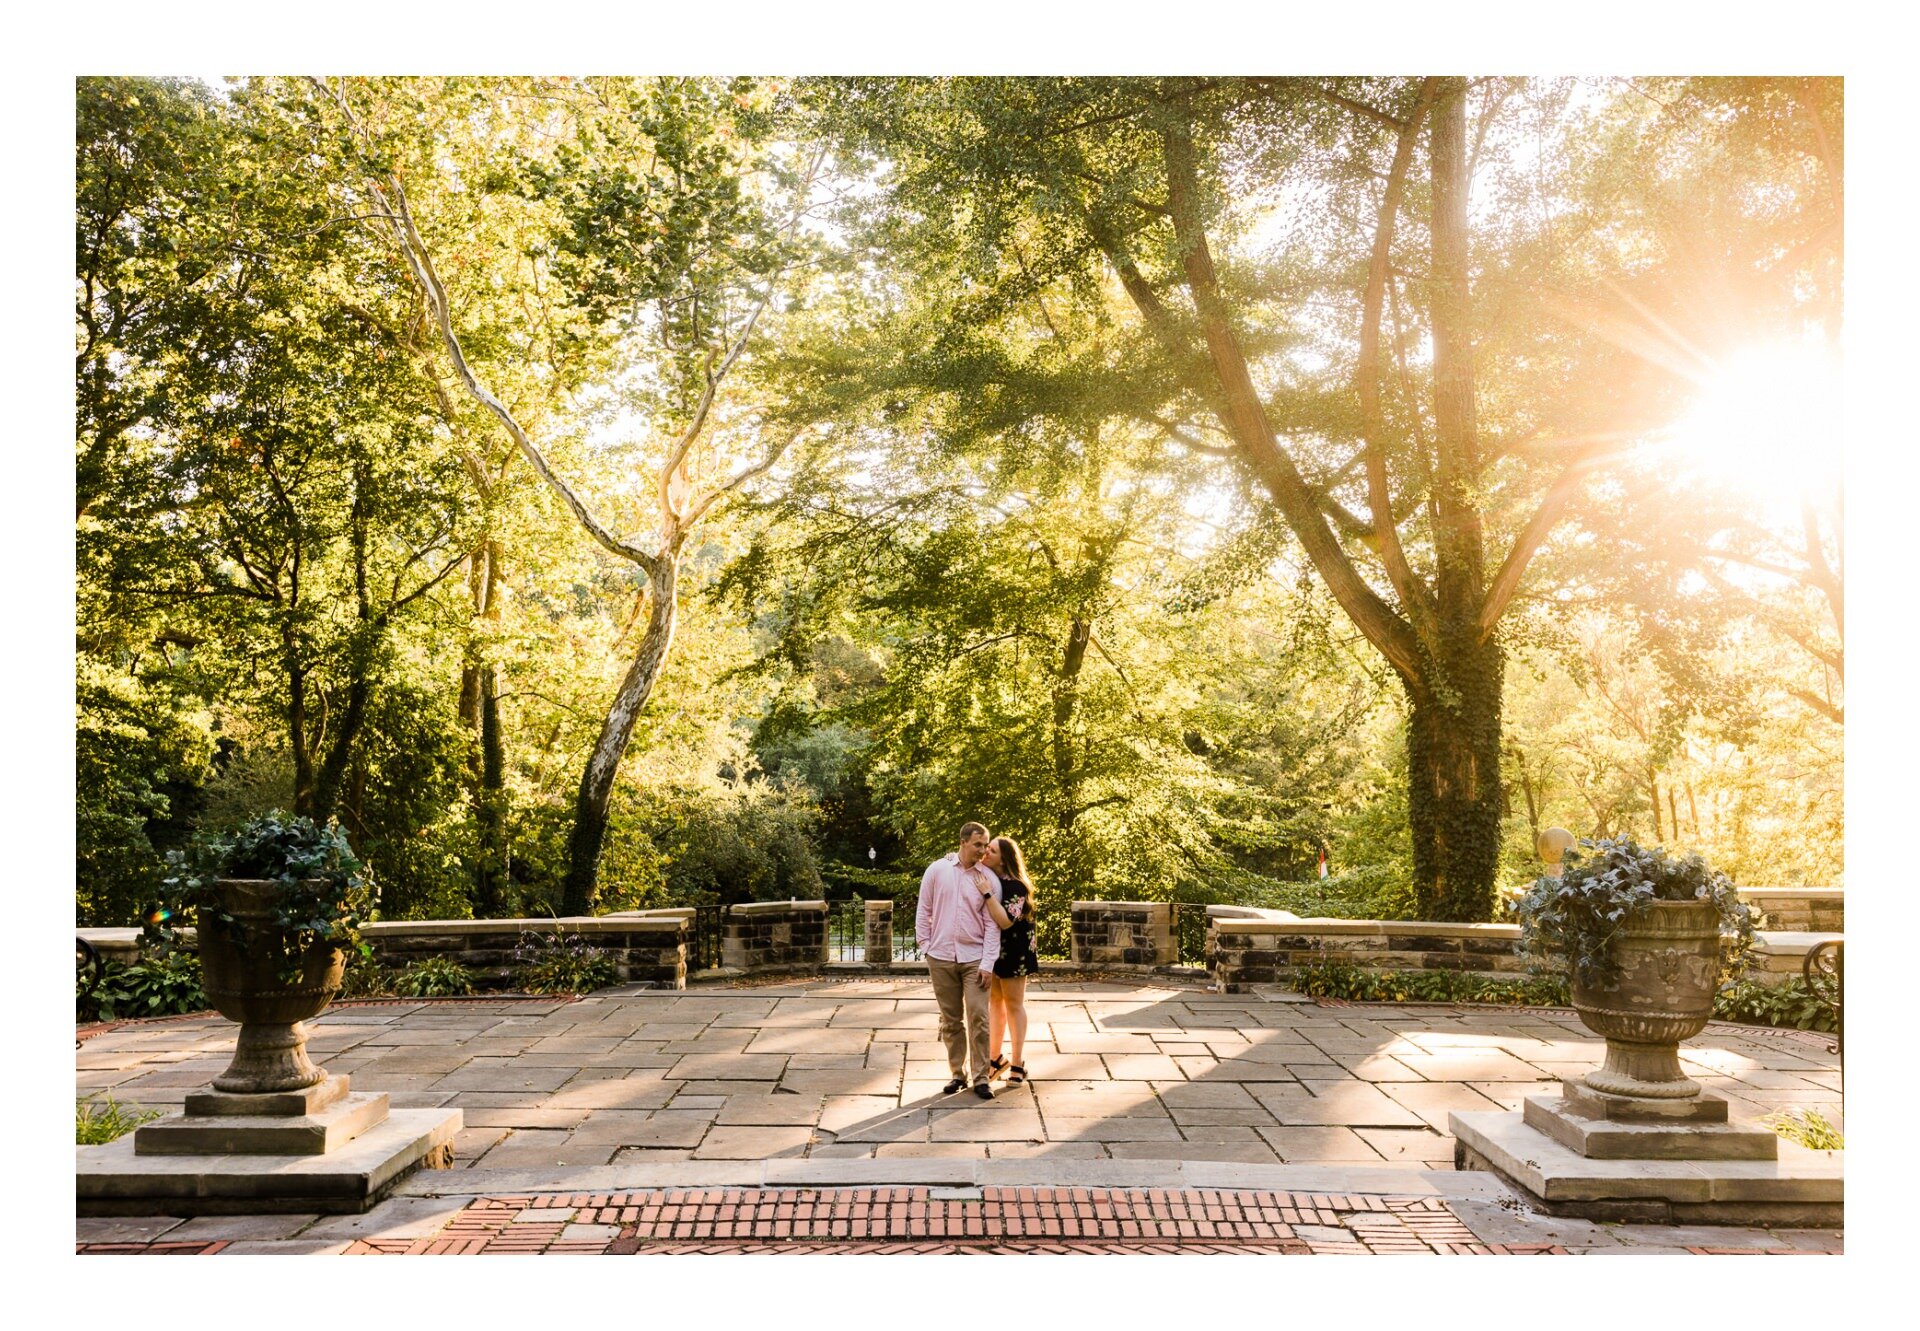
(1779,955)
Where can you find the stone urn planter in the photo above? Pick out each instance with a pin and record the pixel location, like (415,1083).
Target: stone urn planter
(1669,960)
(253,978)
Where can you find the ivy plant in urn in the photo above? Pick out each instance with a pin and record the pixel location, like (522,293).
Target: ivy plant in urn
(1646,941)
(278,904)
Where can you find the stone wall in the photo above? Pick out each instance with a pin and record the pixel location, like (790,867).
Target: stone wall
(1122,934)
(775,935)
(1247,946)
(649,946)
(1818,910)
(1262,947)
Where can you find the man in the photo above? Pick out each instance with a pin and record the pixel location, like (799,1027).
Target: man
(960,942)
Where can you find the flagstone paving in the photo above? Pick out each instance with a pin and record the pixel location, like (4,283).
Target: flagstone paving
(834,1069)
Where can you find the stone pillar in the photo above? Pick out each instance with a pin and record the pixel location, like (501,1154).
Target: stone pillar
(880,934)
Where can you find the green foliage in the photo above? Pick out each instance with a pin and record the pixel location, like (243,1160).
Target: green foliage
(1571,920)
(366,978)
(1011,568)
(141,747)
(1808,1127)
(562,964)
(100,1119)
(1790,1003)
(852,880)
(433,977)
(156,986)
(733,842)
(324,895)
(1332,977)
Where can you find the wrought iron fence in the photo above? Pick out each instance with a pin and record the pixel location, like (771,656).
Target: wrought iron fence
(906,947)
(1190,933)
(709,927)
(1824,971)
(847,930)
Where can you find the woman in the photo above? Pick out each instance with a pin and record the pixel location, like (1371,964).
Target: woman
(1007,998)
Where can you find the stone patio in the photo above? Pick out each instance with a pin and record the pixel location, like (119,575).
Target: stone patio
(852,1070)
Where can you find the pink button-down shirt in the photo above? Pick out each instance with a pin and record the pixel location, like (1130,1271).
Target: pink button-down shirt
(953,922)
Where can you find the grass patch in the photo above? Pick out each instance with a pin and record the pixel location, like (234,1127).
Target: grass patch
(98,1121)
(1807,1127)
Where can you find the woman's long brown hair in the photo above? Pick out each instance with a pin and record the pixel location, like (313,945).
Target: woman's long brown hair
(1011,859)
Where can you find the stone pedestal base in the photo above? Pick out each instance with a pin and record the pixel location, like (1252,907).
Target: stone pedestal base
(1629,1139)
(1794,1187)
(317,1148)
(262,1134)
(115,1180)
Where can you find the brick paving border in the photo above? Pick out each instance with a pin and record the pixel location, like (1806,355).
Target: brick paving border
(1009,1220)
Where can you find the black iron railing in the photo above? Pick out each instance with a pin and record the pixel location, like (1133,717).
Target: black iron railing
(87,967)
(1824,970)
(709,927)
(906,947)
(1189,933)
(847,930)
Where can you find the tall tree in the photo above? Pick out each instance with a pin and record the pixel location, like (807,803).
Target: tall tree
(1154,187)
(659,238)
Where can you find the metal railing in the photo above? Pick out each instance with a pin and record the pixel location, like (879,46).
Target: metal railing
(709,927)
(88,967)
(1824,971)
(847,930)
(1189,933)
(906,947)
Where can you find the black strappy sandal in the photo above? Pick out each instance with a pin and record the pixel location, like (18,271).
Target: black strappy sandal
(996,1065)
(1016,1074)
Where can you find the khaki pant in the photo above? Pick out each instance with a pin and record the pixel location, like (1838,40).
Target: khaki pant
(963,1015)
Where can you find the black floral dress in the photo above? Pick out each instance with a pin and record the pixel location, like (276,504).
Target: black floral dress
(1017,957)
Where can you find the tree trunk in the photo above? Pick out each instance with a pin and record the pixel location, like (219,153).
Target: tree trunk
(480,710)
(596,783)
(297,730)
(1454,794)
(490,876)
(1066,700)
(1453,783)
(333,769)
(1527,792)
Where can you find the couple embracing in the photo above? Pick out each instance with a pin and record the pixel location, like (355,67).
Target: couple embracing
(975,926)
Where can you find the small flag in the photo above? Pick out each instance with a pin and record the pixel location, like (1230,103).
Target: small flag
(1323,861)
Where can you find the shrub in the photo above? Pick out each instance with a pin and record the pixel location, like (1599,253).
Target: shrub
(366,979)
(434,977)
(562,964)
(1788,1004)
(97,1121)
(736,843)
(159,986)
(1331,977)
(1570,921)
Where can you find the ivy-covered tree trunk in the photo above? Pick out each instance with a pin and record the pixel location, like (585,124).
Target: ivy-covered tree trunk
(596,783)
(1454,796)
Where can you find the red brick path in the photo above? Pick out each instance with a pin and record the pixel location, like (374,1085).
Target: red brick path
(911,1219)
